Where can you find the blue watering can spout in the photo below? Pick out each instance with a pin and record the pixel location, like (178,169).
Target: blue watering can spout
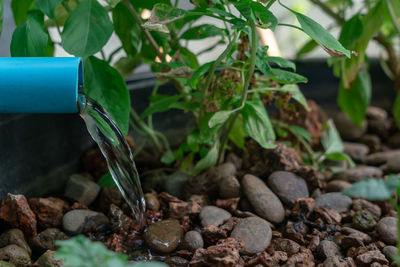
(40,85)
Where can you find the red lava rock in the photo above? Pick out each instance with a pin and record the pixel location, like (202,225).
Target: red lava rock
(303,206)
(179,208)
(286,245)
(229,204)
(223,254)
(328,216)
(304,258)
(49,211)
(266,259)
(212,234)
(15,210)
(367,258)
(114,242)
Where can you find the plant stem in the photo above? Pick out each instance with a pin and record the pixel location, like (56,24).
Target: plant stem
(144,30)
(216,64)
(113,53)
(146,129)
(246,85)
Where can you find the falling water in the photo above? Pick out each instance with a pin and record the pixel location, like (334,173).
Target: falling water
(117,152)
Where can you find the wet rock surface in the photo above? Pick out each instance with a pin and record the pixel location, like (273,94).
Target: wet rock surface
(288,186)
(164,236)
(255,233)
(46,240)
(264,202)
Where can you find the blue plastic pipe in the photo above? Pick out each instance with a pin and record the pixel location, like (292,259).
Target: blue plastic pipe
(40,85)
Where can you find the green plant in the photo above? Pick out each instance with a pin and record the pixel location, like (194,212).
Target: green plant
(377,21)
(79,251)
(224,96)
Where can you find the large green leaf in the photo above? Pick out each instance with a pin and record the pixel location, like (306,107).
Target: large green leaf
(48,6)
(201,32)
(373,189)
(330,139)
(319,34)
(87,29)
(355,101)
(209,160)
(220,117)
(371,23)
(352,31)
(255,12)
(238,134)
(105,85)
(257,124)
(29,39)
(20,10)
(127,29)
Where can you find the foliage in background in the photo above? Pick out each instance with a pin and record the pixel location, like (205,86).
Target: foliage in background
(376,21)
(228,105)
(79,251)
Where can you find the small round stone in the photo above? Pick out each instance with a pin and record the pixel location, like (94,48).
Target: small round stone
(16,237)
(337,186)
(288,186)
(214,216)
(15,255)
(74,221)
(264,202)
(48,260)
(387,230)
(335,201)
(193,240)
(152,202)
(229,187)
(164,236)
(327,249)
(256,234)
(390,252)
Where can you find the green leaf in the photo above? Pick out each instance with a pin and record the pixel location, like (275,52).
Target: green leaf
(355,101)
(331,139)
(209,160)
(238,134)
(126,65)
(281,76)
(319,34)
(220,117)
(148,4)
(20,10)
(106,180)
(200,72)
(340,156)
(352,31)
(396,110)
(126,28)
(307,48)
(201,32)
(113,3)
(373,189)
(257,124)
(281,62)
(48,6)
(29,39)
(255,12)
(301,132)
(160,103)
(162,12)
(87,29)
(106,86)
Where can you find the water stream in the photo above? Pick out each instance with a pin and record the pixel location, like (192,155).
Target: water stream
(117,152)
